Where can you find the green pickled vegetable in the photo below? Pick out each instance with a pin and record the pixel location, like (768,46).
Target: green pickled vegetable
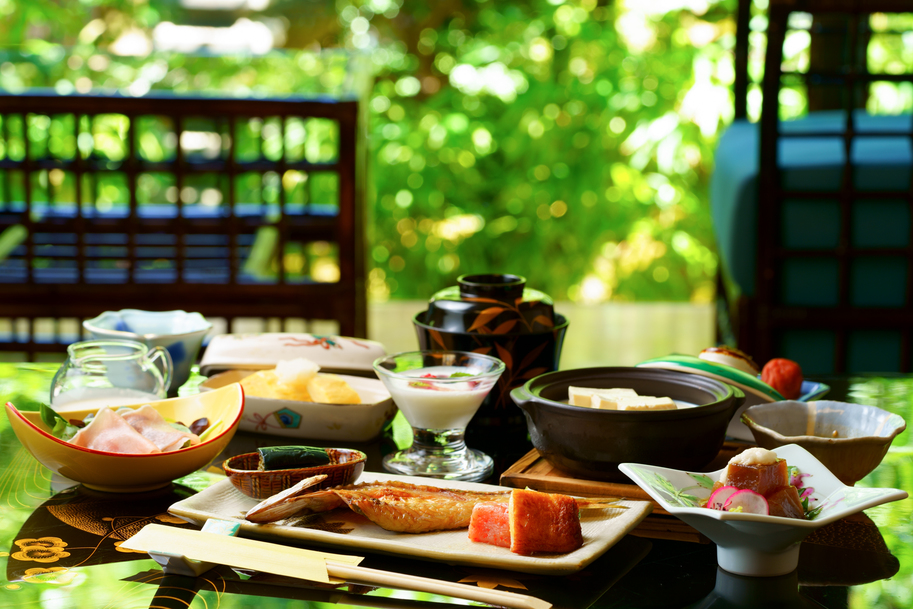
(291,457)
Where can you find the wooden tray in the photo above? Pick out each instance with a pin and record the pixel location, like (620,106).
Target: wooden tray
(532,471)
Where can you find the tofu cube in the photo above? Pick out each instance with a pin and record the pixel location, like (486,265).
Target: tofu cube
(645,402)
(584,396)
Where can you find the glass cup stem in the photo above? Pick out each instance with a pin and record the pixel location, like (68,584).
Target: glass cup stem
(440,453)
(439,440)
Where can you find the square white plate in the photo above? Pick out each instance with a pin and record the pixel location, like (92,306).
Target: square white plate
(343,528)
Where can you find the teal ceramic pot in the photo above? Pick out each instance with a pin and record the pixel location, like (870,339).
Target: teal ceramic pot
(496,315)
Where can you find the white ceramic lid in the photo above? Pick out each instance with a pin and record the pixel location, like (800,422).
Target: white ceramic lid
(262,351)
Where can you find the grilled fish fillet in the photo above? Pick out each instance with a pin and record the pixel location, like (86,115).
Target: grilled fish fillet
(395,506)
(407,508)
(392,505)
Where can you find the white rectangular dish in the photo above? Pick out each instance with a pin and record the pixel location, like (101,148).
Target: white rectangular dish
(343,528)
(260,351)
(296,419)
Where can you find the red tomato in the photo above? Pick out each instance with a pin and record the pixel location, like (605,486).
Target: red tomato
(785,376)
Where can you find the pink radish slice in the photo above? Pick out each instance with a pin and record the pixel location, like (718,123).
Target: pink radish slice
(718,498)
(750,502)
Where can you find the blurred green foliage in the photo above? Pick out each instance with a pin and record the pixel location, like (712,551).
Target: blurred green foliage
(530,137)
(541,141)
(569,141)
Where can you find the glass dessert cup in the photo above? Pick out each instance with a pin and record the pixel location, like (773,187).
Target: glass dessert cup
(439,392)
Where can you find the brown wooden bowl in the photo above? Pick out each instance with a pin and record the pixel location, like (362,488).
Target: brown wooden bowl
(345,466)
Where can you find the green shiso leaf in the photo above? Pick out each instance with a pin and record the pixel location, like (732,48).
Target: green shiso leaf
(60,427)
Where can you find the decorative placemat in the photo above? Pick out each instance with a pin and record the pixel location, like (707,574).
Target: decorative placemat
(532,471)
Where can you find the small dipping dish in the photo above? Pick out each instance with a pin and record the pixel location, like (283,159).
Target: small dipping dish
(345,467)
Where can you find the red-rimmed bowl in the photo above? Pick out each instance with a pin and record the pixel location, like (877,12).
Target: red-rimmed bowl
(124,473)
(345,467)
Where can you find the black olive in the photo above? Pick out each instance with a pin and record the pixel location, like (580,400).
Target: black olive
(199,426)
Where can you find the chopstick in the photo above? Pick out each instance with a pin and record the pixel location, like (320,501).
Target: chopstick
(192,552)
(388,579)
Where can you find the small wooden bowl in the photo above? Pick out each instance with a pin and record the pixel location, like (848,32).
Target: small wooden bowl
(345,467)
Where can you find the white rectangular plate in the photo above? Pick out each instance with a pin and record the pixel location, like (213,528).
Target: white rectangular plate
(343,528)
(330,422)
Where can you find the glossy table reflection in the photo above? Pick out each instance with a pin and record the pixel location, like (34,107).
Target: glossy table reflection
(60,543)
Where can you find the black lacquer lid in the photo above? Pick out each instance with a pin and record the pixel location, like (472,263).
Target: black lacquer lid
(491,304)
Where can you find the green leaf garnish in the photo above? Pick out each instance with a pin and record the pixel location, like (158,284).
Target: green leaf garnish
(210,431)
(60,427)
(702,480)
(679,496)
(48,415)
(178,426)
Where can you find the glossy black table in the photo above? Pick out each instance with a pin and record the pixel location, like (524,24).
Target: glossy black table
(60,542)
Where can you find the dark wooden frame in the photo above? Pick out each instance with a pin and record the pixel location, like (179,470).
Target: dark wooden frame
(758,321)
(343,301)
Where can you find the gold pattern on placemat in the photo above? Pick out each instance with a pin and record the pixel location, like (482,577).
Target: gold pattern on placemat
(78,527)
(25,481)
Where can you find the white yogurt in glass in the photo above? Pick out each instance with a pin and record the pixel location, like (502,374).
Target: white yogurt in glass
(429,403)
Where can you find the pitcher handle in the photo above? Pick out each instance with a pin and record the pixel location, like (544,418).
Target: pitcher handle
(167,364)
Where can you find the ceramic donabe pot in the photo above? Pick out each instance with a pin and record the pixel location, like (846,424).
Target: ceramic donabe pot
(590,443)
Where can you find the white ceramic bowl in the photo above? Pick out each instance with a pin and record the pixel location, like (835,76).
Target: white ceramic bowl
(295,419)
(756,390)
(180,332)
(753,544)
(849,439)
